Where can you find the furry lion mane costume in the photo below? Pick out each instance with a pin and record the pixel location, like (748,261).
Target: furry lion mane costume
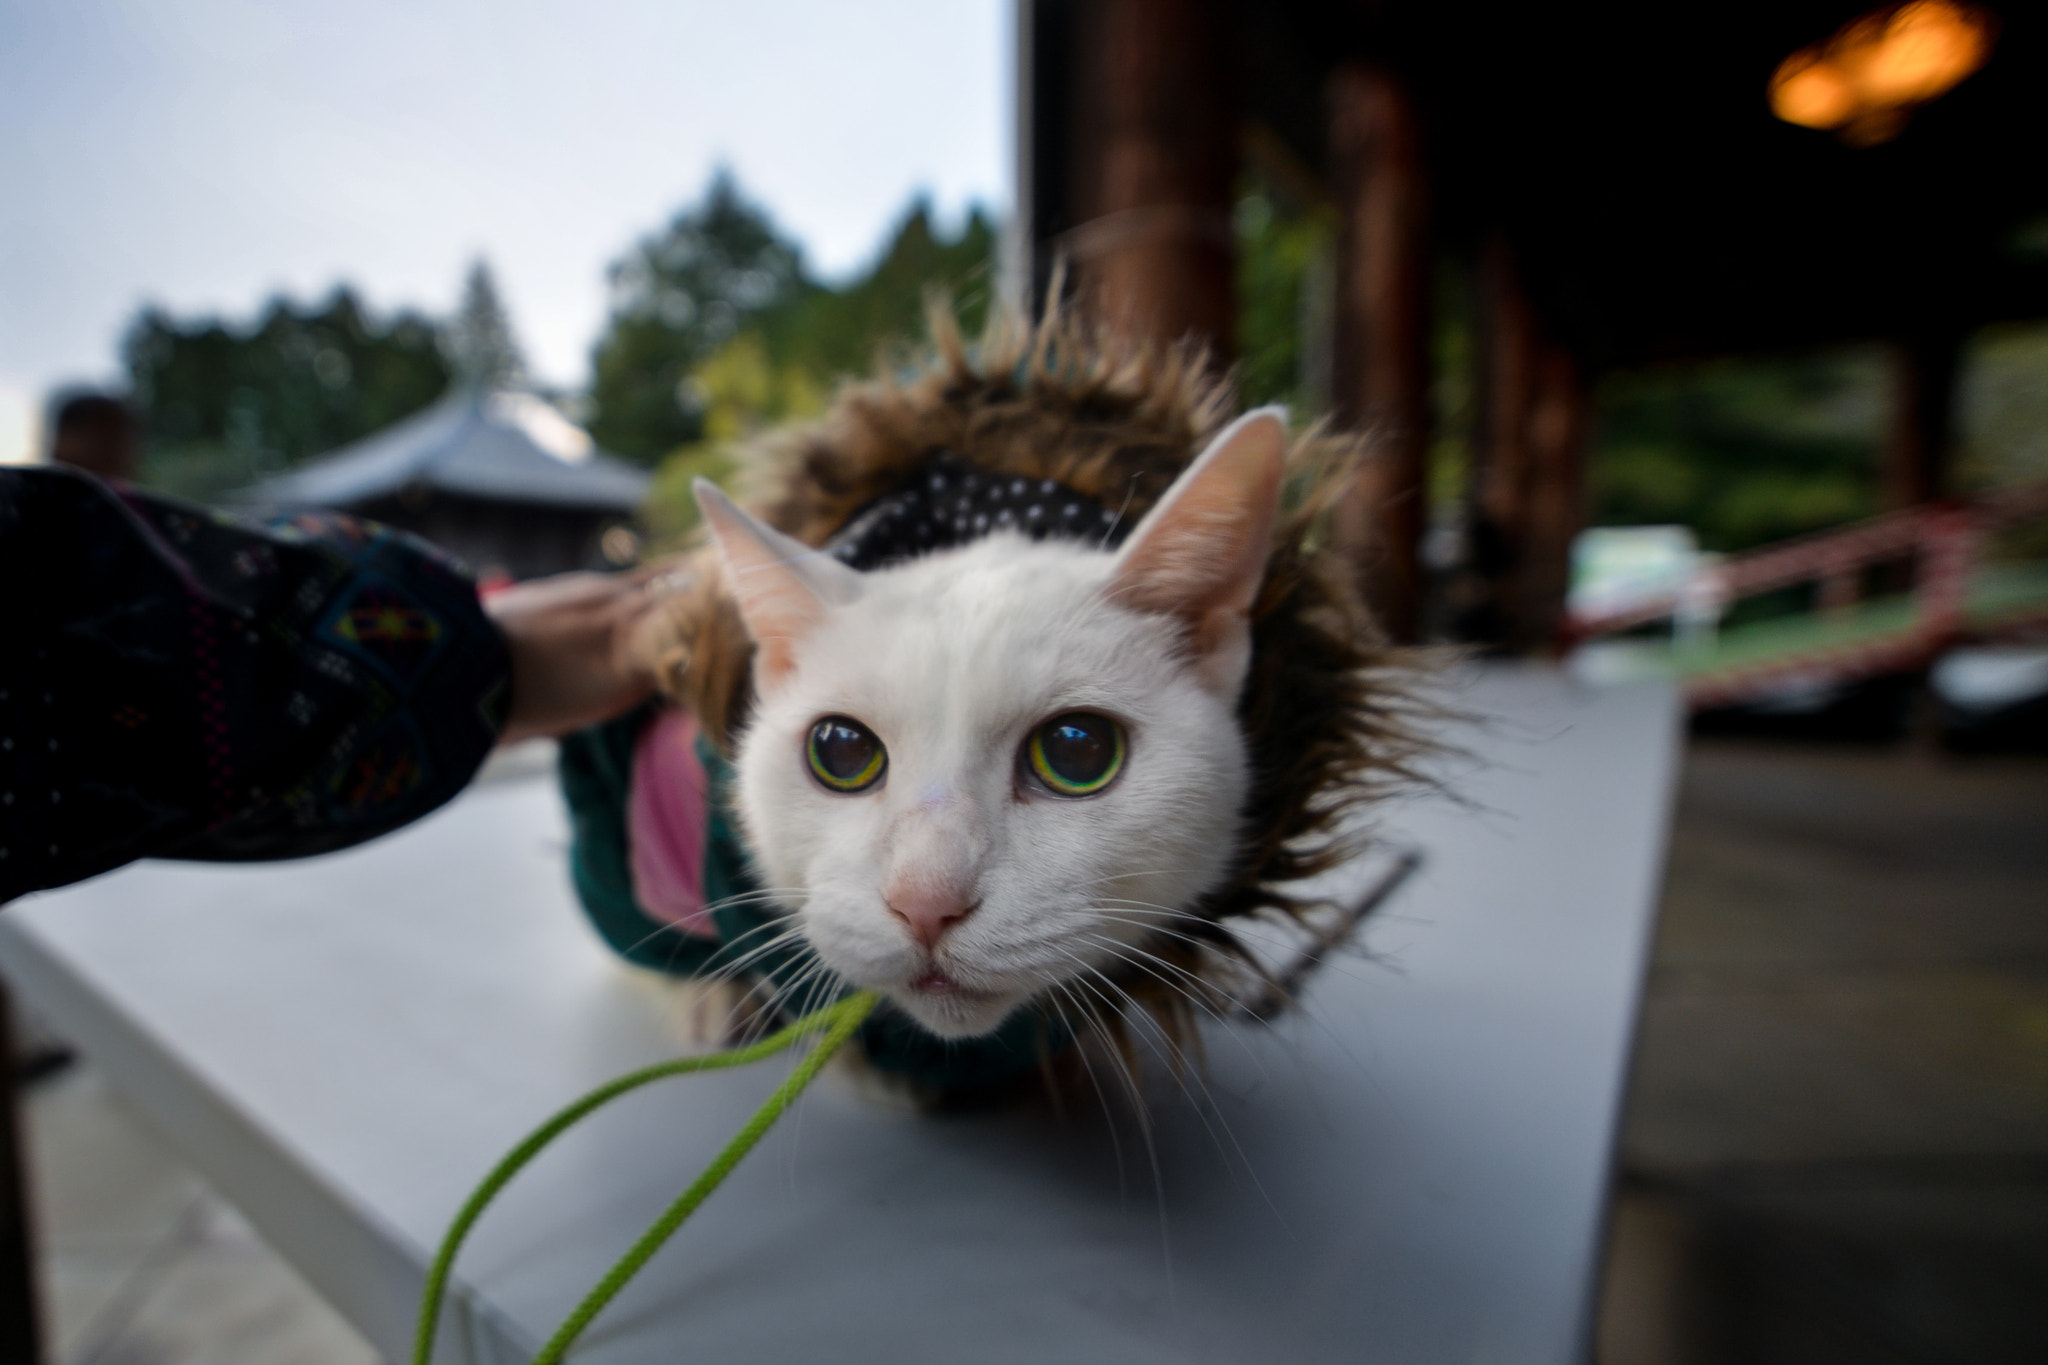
(1328,707)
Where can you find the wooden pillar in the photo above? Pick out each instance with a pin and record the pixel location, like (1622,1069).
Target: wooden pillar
(1528,468)
(1380,370)
(20,1318)
(1153,158)
(1924,369)
(1504,335)
(1558,412)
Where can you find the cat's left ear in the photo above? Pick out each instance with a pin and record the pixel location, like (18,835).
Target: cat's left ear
(784,587)
(1200,554)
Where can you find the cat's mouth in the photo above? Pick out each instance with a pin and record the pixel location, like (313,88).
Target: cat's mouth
(950,1009)
(936,982)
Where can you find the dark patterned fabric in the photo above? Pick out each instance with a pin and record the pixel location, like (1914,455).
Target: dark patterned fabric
(949,502)
(179,682)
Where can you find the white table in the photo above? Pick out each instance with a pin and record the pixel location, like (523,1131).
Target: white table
(1412,1171)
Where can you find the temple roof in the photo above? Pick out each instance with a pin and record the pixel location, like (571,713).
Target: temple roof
(508,447)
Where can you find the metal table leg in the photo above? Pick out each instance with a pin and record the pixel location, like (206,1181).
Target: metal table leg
(20,1318)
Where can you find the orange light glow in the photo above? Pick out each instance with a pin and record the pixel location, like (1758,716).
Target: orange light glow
(1863,81)
(1812,94)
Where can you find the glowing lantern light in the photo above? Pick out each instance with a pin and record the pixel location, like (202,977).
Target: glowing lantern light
(1863,81)
(1812,93)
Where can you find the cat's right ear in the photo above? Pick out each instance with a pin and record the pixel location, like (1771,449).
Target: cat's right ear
(784,587)
(1200,554)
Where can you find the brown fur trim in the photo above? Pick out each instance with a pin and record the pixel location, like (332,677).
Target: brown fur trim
(1327,707)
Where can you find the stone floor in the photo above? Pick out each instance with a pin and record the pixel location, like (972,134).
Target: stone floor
(1836,1148)
(143,1265)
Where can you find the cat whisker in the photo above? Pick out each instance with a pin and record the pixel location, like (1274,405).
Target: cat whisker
(1092,1029)
(747,960)
(1206,1103)
(1127,1074)
(1199,992)
(1084,1053)
(662,929)
(1280,941)
(823,981)
(1123,1007)
(1128,876)
(1126,1065)
(726,902)
(1141,959)
(1149,923)
(733,966)
(1327,963)
(774,1004)
(1184,1072)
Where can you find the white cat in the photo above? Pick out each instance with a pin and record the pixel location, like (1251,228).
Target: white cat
(990,774)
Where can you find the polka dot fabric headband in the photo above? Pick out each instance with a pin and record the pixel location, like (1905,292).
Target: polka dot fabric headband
(948,502)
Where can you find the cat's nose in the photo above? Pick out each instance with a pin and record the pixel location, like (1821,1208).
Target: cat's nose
(927,911)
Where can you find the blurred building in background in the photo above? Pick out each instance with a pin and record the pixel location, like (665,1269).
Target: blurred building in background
(502,479)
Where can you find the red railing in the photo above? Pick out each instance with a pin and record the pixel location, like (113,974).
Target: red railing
(1941,535)
(1941,542)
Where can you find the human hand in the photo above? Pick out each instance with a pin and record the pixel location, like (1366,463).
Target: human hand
(574,644)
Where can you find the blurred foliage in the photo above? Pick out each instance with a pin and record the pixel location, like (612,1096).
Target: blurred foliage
(2003,412)
(1743,451)
(836,332)
(223,406)
(1454,394)
(718,331)
(1285,283)
(1751,451)
(677,296)
(670,512)
(2003,419)
(1286,292)
(479,342)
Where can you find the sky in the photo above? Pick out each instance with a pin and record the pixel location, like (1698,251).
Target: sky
(205,155)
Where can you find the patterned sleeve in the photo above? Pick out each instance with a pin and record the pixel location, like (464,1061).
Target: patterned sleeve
(183,683)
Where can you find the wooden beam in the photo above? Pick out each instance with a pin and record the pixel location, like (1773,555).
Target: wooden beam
(1153,159)
(1381,366)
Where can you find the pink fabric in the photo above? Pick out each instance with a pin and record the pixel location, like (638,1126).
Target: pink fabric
(665,824)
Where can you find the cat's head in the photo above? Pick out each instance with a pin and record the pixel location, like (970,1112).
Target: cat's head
(990,774)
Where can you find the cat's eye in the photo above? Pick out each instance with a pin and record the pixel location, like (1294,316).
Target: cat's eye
(1076,754)
(845,755)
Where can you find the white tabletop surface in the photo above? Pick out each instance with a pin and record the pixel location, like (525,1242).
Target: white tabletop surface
(1411,1170)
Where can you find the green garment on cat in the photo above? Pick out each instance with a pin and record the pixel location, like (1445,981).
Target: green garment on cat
(596,768)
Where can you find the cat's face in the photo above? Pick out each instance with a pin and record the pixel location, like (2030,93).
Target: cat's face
(988,775)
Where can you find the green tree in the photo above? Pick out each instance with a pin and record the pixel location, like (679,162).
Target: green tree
(1743,451)
(676,297)
(479,341)
(1285,283)
(223,405)
(833,333)
(785,360)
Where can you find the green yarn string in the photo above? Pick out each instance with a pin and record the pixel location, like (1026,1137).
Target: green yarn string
(836,1021)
